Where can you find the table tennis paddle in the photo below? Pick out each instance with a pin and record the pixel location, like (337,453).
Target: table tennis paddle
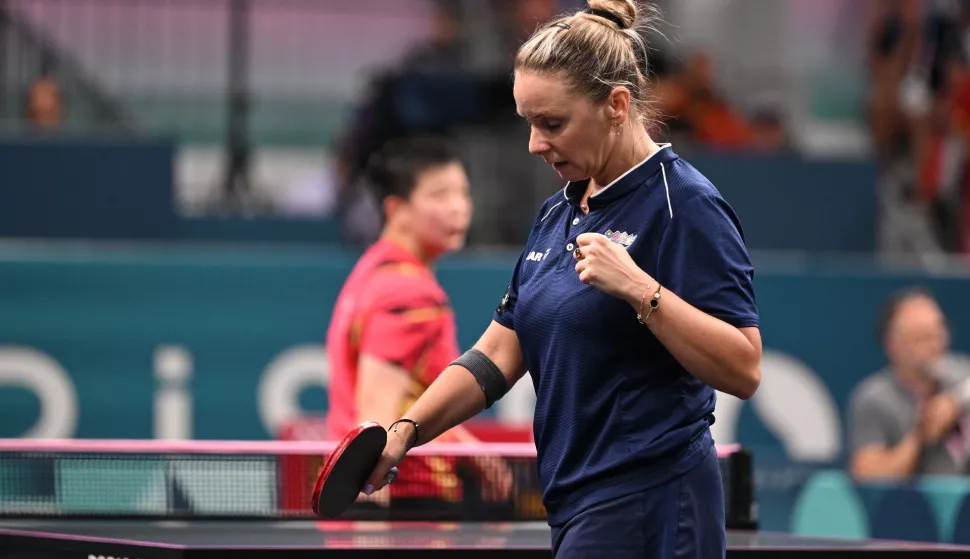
(346,470)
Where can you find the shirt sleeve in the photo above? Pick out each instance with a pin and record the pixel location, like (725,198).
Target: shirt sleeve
(703,259)
(866,424)
(505,312)
(404,330)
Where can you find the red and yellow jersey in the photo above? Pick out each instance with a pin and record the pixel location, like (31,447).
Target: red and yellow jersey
(391,307)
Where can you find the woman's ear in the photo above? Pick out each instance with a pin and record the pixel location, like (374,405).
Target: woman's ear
(618,104)
(391,206)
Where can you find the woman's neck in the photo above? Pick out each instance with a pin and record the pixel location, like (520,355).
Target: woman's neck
(407,242)
(629,152)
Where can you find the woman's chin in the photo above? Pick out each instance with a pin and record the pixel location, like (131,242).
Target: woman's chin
(447,245)
(568,173)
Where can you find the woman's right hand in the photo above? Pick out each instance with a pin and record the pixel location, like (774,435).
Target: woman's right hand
(394,451)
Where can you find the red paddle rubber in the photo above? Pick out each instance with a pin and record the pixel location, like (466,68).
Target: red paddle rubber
(345,472)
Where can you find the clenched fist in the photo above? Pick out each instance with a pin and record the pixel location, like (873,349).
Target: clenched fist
(608,267)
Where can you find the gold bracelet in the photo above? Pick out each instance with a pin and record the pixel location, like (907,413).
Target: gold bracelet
(654,303)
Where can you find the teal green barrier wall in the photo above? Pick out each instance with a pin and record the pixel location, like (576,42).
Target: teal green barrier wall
(102,320)
(228,344)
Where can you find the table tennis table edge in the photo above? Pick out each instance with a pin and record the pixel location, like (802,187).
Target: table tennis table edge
(187,551)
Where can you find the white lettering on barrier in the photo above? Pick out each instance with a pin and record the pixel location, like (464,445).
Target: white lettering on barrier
(792,403)
(173,397)
(288,374)
(39,373)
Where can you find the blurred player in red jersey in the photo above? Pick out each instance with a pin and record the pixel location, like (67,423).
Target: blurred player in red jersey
(392,330)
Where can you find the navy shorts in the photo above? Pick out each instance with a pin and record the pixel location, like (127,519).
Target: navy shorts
(682,519)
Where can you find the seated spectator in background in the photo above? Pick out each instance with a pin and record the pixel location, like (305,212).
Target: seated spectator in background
(448,85)
(670,96)
(379,119)
(943,183)
(918,106)
(697,113)
(893,35)
(769,132)
(692,97)
(910,419)
(44,100)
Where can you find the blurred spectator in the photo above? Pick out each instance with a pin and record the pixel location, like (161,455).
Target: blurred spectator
(942,183)
(510,181)
(436,90)
(712,119)
(696,112)
(893,31)
(671,97)
(458,84)
(911,418)
(376,120)
(918,107)
(769,130)
(44,100)
(379,119)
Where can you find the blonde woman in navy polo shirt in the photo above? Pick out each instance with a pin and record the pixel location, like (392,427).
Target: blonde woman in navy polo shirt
(631,304)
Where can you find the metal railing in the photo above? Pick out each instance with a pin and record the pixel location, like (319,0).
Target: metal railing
(286,69)
(30,56)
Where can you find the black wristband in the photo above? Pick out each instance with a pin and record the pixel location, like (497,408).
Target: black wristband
(487,373)
(417,436)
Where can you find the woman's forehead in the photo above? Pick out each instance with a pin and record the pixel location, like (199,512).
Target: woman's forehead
(538,95)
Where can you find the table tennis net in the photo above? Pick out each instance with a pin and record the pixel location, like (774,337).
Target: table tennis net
(274,480)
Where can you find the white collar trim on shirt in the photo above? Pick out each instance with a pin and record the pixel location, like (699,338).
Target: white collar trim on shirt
(634,168)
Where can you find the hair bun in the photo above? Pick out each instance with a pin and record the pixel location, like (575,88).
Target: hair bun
(624,10)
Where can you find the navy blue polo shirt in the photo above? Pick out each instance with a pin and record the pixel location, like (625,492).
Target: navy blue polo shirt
(615,412)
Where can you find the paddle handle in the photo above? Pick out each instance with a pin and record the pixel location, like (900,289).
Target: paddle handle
(391,476)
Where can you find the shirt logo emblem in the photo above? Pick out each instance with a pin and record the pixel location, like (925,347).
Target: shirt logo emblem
(504,305)
(537,256)
(624,239)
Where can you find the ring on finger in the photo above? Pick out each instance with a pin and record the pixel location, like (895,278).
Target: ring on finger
(578,253)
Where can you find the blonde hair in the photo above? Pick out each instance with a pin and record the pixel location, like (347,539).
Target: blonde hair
(597,53)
